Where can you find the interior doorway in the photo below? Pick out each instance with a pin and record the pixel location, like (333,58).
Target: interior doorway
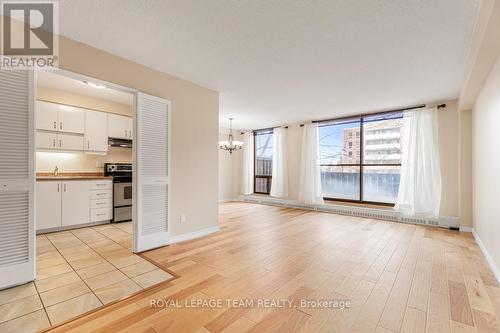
(85,196)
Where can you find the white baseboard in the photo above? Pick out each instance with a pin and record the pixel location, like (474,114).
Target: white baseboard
(227,200)
(193,235)
(487,255)
(465,229)
(359,211)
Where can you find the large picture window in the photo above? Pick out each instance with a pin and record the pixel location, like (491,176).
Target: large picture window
(360,158)
(263,168)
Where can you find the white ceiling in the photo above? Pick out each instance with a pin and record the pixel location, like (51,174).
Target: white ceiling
(56,81)
(277,62)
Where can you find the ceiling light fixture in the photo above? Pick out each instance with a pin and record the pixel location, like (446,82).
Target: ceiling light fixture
(230,145)
(95,85)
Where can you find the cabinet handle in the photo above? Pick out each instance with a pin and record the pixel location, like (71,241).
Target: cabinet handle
(60,143)
(58,187)
(88,144)
(55,125)
(64,187)
(53,142)
(60,125)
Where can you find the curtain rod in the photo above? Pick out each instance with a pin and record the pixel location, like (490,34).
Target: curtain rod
(265,129)
(420,106)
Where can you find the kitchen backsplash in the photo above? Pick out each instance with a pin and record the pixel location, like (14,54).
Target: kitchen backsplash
(66,162)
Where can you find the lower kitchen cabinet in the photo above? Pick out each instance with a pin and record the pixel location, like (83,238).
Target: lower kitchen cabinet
(48,205)
(66,204)
(75,202)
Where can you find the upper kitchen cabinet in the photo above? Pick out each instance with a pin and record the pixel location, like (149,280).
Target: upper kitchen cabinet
(71,120)
(60,118)
(119,127)
(47,116)
(96,135)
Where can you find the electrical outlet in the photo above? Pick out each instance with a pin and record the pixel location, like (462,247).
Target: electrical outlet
(183,218)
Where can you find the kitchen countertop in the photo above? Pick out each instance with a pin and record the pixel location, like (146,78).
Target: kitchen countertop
(71,176)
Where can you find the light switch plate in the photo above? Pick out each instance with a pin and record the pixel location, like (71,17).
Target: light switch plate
(183,218)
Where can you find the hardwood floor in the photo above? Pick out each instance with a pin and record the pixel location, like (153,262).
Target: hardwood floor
(397,278)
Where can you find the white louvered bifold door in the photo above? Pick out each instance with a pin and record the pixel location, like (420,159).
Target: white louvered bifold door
(17,178)
(151,173)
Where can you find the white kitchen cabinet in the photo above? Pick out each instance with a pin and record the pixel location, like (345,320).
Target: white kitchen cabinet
(101,214)
(46,140)
(75,202)
(59,118)
(69,142)
(71,120)
(59,141)
(96,132)
(120,126)
(47,116)
(48,205)
(67,204)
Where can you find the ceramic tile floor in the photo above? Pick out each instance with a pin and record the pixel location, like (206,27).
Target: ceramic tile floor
(77,271)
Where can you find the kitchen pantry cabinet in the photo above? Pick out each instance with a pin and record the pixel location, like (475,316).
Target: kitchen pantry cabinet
(60,118)
(96,132)
(70,203)
(119,127)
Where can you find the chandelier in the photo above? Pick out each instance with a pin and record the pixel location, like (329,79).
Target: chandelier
(230,145)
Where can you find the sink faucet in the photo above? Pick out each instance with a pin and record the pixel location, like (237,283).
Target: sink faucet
(56,171)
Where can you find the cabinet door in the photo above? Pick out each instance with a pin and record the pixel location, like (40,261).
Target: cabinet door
(75,202)
(71,120)
(96,131)
(46,140)
(119,126)
(69,142)
(46,116)
(130,127)
(48,204)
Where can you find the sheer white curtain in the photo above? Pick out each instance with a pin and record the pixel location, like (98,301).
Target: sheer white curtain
(247,176)
(310,175)
(420,185)
(279,184)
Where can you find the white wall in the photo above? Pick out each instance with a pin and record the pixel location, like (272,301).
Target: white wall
(465,168)
(195,123)
(226,190)
(448,123)
(486,164)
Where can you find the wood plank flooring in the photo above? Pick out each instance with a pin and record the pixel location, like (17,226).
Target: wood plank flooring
(396,277)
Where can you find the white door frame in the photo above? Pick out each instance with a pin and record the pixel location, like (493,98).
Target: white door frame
(111,85)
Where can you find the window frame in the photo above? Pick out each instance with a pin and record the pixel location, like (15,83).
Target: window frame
(255,176)
(361,164)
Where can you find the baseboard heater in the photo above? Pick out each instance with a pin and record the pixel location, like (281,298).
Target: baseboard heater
(372,213)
